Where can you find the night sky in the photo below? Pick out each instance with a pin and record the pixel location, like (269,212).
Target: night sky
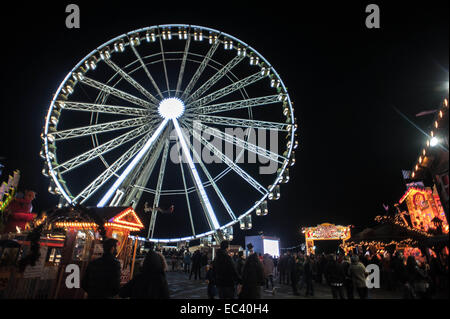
(345,81)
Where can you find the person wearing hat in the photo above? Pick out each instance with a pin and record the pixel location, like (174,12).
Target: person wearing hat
(226,275)
(250,248)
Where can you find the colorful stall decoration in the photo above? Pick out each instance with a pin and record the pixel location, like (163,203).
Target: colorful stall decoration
(425,209)
(8,190)
(20,212)
(120,221)
(69,236)
(324,232)
(377,247)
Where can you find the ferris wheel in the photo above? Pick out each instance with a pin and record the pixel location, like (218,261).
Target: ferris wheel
(177,113)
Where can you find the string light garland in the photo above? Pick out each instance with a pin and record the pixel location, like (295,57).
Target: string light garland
(439,123)
(397,220)
(408,242)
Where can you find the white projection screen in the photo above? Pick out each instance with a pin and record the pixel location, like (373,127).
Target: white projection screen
(271,247)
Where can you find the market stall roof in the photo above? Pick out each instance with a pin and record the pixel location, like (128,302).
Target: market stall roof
(383,232)
(110,213)
(123,217)
(413,189)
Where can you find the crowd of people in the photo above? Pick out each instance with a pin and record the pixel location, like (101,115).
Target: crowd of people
(346,274)
(231,276)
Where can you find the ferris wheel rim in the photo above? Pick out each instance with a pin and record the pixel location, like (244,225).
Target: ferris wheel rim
(97,50)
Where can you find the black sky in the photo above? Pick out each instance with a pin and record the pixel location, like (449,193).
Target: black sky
(344,80)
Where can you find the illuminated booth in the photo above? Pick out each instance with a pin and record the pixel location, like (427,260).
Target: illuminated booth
(324,231)
(418,227)
(85,244)
(68,238)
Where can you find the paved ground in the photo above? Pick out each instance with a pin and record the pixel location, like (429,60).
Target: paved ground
(182,288)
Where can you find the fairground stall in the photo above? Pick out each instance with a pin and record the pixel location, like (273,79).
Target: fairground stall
(418,227)
(34,263)
(324,231)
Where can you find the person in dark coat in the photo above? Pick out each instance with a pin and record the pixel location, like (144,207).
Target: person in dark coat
(348,283)
(399,270)
(211,281)
(335,277)
(151,283)
(196,265)
(322,262)
(289,264)
(203,262)
(294,271)
(308,273)
(240,262)
(435,274)
(252,277)
(102,277)
(416,280)
(225,271)
(282,269)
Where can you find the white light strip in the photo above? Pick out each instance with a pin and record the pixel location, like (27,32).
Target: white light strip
(197,179)
(133,163)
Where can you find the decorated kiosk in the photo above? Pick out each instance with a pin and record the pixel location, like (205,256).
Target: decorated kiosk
(63,237)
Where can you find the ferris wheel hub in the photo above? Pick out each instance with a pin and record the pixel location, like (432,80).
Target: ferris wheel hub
(171,108)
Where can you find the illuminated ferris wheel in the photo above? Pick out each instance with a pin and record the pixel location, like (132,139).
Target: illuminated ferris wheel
(153,114)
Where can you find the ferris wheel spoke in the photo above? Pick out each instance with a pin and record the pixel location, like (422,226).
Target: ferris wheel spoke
(213,183)
(98,128)
(183,65)
(230,163)
(87,192)
(214,79)
(102,108)
(235,105)
(261,151)
(102,149)
(149,143)
(230,121)
(226,90)
(186,194)
(132,81)
(204,200)
(164,65)
(162,169)
(147,71)
(116,92)
(140,178)
(200,70)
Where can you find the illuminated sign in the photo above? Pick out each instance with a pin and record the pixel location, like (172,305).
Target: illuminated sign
(324,232)
(271,247)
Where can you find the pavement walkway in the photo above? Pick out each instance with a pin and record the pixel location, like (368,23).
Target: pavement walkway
(182,288)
